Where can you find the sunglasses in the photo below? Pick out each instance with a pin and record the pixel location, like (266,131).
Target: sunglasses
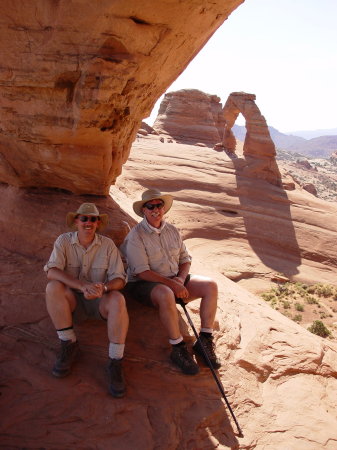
(152,206)
(89,218)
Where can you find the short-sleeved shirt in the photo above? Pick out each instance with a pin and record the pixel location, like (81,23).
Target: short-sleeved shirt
(100,262)
(147,249)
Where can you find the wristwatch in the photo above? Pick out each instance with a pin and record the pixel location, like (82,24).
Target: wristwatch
(105,288)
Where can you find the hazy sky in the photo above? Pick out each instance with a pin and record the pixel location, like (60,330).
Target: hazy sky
(284,52)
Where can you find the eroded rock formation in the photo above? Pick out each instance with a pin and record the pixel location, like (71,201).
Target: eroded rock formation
(258,150)
(77,78)
(190,116)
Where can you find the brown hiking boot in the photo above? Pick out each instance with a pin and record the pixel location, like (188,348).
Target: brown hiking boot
(181,357)
(68,353)
(116,378)
(209,347)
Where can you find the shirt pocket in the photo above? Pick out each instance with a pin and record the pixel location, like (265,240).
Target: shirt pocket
(155,255)
(73,269)
(99,269)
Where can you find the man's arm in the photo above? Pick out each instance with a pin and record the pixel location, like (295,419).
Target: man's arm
(90,290)
(59,275)
(184,270)
(115,284)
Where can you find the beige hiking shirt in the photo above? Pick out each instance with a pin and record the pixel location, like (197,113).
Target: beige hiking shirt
(146,249)
(100,262)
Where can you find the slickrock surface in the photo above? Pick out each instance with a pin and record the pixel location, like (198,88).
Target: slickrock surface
(253,228)
(191,116)
(280,379)
(77,78)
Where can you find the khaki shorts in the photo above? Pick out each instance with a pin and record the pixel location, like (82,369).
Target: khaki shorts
(86,309)
(141,290)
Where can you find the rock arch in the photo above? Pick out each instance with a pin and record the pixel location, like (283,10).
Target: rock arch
(258,150)
(76,80)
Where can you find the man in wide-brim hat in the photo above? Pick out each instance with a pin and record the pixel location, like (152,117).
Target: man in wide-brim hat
(85,274)
(158,273)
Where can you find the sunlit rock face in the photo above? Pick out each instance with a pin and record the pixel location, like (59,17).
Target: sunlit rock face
(77,77)
(190,116)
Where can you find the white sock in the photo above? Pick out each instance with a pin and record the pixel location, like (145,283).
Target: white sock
(67,334)
(206,330)
(176,341)
(116,351)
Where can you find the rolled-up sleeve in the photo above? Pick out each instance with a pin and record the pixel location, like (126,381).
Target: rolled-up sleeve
(116,267)
(184,256)
(57,258)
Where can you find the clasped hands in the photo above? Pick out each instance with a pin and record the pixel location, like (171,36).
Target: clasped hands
(93,290)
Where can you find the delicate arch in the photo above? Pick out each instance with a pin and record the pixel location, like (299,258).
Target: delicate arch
(259,149)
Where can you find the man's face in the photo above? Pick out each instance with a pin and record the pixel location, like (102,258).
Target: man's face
(87,225)
(154,211)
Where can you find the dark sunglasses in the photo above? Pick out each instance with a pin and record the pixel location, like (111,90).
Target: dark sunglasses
(90,218)
(151,206)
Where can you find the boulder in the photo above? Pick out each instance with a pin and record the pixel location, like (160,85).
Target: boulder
(190,116)
(310,187)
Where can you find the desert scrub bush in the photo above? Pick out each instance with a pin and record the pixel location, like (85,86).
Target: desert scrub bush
(299,307)
(322,290)
(283,290)
(301,288)
(325,290)
(319,328)
(268,296)
(286,304)
(297,318)
(311,300)
(311,289)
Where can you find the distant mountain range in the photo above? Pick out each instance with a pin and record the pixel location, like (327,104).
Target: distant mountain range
(316,147)
(310,134)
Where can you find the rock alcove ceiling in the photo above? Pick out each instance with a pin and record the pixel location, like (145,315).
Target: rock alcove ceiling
(77,78)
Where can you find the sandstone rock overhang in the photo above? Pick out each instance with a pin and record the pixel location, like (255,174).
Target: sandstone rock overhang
(76,79)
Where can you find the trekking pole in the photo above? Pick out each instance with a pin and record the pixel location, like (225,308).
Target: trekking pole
(180,302)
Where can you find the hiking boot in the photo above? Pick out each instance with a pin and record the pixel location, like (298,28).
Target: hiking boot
(68,353)
(209,347)
(116,378)
(182,358)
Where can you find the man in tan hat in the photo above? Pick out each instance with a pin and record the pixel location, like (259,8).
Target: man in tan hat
(85,274)
(158,273)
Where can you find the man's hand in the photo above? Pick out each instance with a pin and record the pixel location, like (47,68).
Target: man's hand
(93,290)
(179,289)
(179,280)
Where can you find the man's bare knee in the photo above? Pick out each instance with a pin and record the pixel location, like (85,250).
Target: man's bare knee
(117,299)
(212,286)
(162,296)
(55,286)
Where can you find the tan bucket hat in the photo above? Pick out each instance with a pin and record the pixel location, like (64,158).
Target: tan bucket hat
(87,209)
(152,194)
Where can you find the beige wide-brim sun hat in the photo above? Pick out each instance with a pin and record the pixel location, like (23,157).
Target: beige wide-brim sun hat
(87,209)
(152,194)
